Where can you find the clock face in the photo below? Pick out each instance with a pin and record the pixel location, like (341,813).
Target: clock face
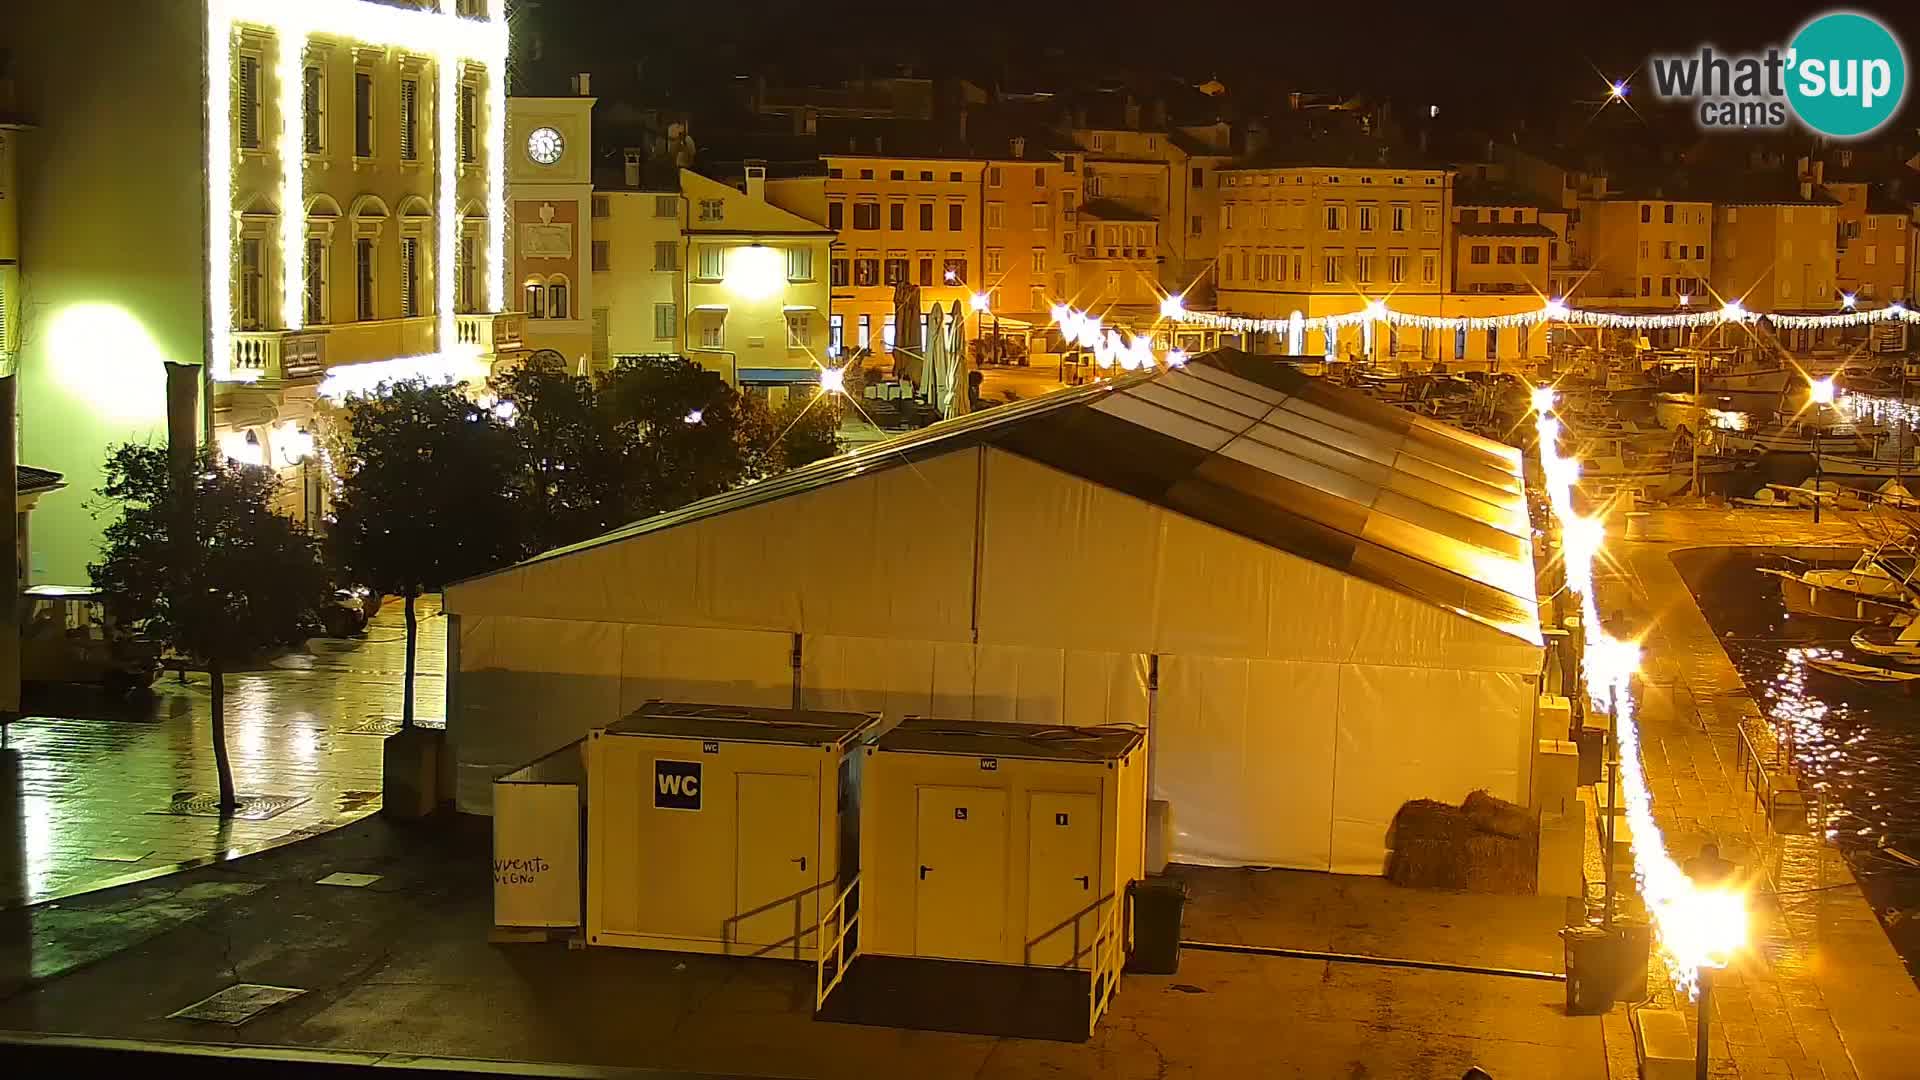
(544,145)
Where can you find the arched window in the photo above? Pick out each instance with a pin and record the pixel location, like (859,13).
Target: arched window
(557,299)
(535,298)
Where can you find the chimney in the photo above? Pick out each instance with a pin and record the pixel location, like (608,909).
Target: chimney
(963,126)
(757,181)
(631,162)
(1133,115)
(583,84)
(1018,145)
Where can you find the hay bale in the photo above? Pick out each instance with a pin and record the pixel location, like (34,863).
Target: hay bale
(1429,840)
(1438,845)
(1495,815)
(1500,864)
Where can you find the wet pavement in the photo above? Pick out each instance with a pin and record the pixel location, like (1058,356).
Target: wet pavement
(99,790)
(403,965)
(1821,992)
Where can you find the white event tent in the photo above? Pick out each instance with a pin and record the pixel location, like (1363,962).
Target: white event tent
(1318,605)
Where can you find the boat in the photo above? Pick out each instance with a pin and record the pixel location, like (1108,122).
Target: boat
(1900,644)
(1799,438)
(1884,464)
(1879,588)
(1866,673)
(1610,464)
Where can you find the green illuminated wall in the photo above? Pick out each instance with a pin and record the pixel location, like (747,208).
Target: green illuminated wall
(113,243)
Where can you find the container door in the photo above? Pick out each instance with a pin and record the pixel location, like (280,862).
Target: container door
(1063,878)
(960,900)
(776,864)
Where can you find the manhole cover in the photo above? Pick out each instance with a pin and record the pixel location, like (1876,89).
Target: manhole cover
(349,881)
(252,807)
(237,1004)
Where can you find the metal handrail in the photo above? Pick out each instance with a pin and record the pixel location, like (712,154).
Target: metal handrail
(1106,965)
(835,945)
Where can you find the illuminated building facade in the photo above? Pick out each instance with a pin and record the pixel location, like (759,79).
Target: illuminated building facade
(332,213)
(555,251)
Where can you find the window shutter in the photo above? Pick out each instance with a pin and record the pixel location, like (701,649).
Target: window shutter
(310,108)
(409,118)
(249,102)
(408,248)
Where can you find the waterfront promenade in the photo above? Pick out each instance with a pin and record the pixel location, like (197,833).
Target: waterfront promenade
(1820,992)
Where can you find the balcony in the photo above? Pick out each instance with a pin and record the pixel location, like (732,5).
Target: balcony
(493,332)
(279,354)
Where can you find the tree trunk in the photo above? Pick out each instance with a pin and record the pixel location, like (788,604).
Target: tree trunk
(217,683)
(406,694)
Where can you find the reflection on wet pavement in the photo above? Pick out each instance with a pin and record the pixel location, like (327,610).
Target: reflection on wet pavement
(107,788)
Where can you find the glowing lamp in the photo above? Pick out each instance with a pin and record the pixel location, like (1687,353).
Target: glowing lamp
(979,301)
(1376,309)
(1847,301)
(1059,312)
(696,415)
(1820,391)
(1176,357)
(755,271)
(1685,300)
(241,448)
(1731,311)
(833,380)
(1173,307)
(1617,91)
(1542,399)
(291,444)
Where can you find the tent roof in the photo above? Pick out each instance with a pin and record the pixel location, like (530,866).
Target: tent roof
(1260,450)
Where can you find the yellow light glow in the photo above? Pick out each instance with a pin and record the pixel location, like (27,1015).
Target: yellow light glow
(833,380)
(979,301)
(1176,357)
(1820,391)
(219,189)
(1173,307)
(1542,399)
(446,206)
(290,444)
(754,271)
(108,359)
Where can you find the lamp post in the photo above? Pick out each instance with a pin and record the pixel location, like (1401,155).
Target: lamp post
(980,302)
(1820,395)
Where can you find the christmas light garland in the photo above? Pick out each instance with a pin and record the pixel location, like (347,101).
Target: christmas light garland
(1554,311)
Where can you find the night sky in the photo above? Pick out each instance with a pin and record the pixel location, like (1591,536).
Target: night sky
(1500,60)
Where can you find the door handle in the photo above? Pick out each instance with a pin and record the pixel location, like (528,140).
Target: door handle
(802,860)
(923,872)
(1082,879)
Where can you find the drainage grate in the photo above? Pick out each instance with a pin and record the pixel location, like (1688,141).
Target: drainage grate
(252,807)
(349,881)
(237,1004)
(381,726)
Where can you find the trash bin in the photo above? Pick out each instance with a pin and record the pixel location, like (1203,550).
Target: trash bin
(1635,945)
(1157,903)
(1591,977)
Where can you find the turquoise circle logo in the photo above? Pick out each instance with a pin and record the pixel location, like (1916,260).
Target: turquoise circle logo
(1847,74)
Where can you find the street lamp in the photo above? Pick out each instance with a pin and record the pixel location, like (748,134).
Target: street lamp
(981,302)
(1819,393)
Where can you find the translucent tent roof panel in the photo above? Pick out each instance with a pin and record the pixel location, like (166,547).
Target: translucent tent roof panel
(1257,449)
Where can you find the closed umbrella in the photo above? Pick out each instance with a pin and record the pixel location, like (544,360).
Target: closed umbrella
(936,355)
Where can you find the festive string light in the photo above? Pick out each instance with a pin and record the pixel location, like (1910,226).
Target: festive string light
(1555,310)
(1699,926)
(439,35)
(460,364)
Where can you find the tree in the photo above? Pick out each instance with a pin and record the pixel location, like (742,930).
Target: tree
(679,425)
(798,433)
(431,492)
(207,569)
(571,451)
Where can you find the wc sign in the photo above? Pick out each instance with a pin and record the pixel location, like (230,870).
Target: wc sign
(676,784)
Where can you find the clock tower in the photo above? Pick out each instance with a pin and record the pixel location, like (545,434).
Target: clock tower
(550,214)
